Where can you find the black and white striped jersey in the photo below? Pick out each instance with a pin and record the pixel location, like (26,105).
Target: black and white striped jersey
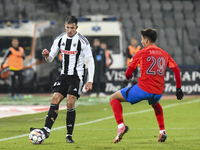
(74,50)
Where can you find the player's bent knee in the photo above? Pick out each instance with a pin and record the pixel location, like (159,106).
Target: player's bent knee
(56,98)
(54,101)
(111,98)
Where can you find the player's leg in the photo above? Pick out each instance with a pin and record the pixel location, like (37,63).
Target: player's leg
(71,116)
(160,119)
(154,102)
(52,113)
(115,102)
(132,94)
(75,86)
(60,91)
(159,115)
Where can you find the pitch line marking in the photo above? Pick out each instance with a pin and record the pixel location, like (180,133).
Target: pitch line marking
(109,129)
(106,118)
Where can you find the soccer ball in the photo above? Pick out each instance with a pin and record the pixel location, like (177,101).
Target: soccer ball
(37,136)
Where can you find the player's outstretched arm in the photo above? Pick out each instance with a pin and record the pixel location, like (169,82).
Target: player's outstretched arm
(179,92)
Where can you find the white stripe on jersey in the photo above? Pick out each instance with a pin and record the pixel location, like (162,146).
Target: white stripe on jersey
(73,58)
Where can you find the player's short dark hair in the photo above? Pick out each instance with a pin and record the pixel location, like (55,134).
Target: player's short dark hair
(149,33)
(71,20)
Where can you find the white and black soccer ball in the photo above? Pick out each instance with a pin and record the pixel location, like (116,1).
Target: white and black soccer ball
(37,136)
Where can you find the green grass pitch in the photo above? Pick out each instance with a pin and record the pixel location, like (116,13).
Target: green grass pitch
(96,127)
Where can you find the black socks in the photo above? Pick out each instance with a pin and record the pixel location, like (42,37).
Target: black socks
(53,113)
(70,120)
(51,116)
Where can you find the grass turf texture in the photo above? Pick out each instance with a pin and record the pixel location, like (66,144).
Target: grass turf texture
(181,121)
(45,100)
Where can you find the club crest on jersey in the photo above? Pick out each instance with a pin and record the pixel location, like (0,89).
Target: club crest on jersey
(68,52)
(74,44)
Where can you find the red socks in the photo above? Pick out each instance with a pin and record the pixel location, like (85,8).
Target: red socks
(117,110)
(159,115)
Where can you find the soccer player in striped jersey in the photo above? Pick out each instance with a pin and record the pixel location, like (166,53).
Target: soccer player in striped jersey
(75,50)
(153,62)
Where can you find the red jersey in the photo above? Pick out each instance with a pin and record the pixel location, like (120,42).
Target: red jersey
(153,62)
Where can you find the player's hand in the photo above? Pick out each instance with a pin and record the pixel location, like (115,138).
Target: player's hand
(179,94)
(129,77)
(88,86)
(45,53)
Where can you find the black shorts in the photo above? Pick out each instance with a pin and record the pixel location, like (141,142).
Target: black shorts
(68,84)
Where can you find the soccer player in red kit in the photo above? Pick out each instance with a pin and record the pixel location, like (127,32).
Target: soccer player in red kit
(153,62)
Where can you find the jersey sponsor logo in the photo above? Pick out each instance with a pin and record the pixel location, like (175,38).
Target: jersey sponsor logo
(69,52)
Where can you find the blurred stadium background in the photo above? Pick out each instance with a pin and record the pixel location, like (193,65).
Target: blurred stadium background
(177,23)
